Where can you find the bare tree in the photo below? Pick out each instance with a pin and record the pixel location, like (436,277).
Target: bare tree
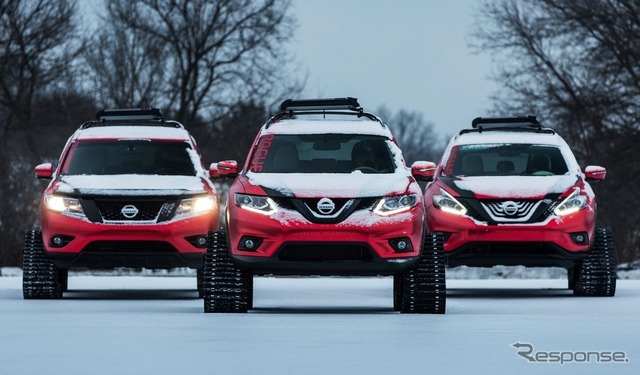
(216,53)
(38,47)
(576,64)
(126,67)
(38,44)
(415,135)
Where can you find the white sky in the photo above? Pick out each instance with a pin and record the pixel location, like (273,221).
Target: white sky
(405,54)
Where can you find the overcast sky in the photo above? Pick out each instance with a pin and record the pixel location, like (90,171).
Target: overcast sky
(405,54)
(410,54)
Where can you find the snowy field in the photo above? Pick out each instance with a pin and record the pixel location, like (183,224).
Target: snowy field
(155,325)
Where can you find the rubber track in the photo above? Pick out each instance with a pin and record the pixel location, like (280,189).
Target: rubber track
(424,288)
(225,287)
(596,275)
(41,279)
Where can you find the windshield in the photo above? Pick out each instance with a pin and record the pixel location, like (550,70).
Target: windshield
(505,160)
(322,153)
(129,157)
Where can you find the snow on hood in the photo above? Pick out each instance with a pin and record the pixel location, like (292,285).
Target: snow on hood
(130,184)
(336,185)
(516,186)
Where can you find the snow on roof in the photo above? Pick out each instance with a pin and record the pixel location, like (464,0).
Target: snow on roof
(510,137)
(134,132)
(327,126)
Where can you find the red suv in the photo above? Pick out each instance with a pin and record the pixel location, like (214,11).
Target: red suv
(325,191)
(510,192)
(129,190)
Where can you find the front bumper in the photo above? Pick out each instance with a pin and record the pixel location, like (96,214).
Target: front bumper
(291,245)
(472,243)
(97,245)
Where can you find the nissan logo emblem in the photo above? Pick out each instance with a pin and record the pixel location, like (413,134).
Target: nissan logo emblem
(129,211)
(326,206)
(510,208)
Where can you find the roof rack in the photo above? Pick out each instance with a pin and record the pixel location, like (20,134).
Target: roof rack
(130,116)
(335,106)
(520,123)
(127,114)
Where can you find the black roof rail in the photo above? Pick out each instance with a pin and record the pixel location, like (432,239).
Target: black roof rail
(347,103)
(129,114)
(132,116)
(519,123)
(335,106)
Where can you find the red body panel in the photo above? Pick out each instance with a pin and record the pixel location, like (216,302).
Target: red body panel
(464,229)
(290,226)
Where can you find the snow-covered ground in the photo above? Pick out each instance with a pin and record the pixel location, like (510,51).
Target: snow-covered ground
(155,325)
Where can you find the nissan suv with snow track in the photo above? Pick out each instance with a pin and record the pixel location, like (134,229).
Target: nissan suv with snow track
(510,192)
(129,190)
(325,191)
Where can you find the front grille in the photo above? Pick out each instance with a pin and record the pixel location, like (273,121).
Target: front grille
(146,210)
(325,253)
(510,211)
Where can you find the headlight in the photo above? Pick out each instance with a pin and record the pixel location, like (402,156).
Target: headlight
(393,205)
(64,205)
(572,204)
(255,203)
(193,206)
(447,203)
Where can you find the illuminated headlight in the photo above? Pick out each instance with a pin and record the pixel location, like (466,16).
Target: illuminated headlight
(393,205)
(64,205)
(572,204)
(194,206)
(255,203)
(447,203)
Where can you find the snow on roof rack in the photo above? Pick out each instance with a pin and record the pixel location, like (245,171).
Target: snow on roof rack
(520,123)
(129,114)
(335,106)
(347,103)
(504,122)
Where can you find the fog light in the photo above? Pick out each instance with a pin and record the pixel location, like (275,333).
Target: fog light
(57,241)
(248,243)
(580,238)
(201,241)
(401,245)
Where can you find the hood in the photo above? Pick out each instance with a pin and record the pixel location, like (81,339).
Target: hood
(130,185)
(338,185)
(501,187)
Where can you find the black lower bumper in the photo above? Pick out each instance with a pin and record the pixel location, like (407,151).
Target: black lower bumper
(528,254)
(373,267)
(109,260)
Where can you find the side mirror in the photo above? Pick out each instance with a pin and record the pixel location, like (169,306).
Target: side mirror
(44,171)
(226,168)
(595,173)
(423,170)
